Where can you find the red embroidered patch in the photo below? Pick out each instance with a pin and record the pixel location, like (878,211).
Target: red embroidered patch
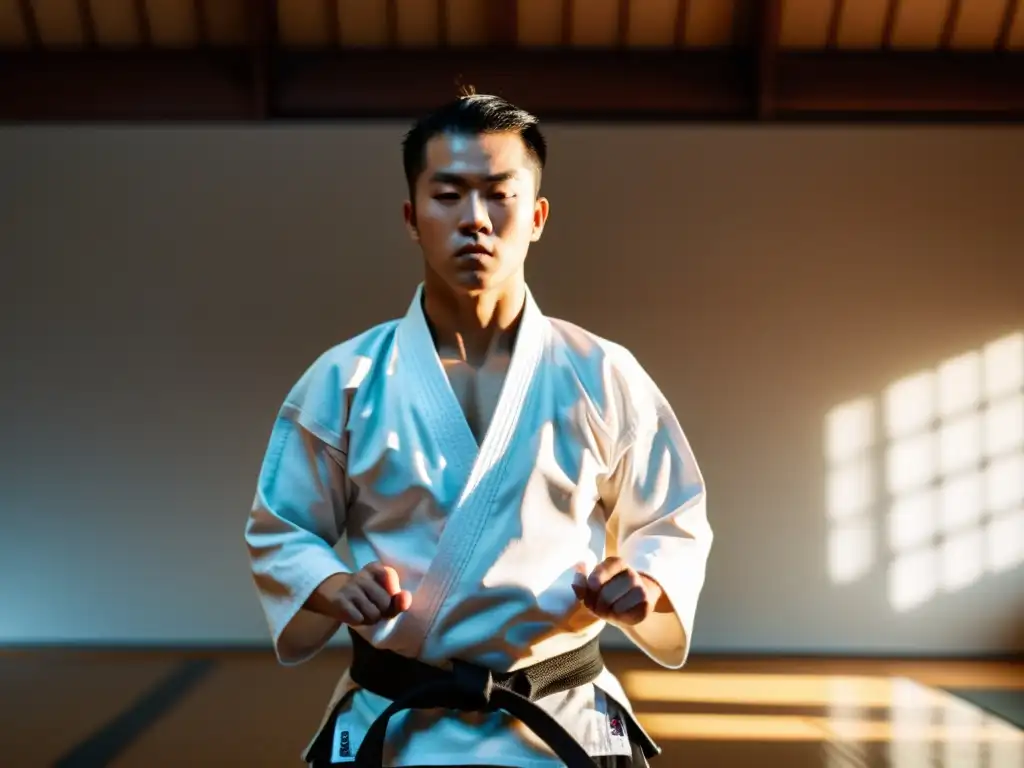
(616,726)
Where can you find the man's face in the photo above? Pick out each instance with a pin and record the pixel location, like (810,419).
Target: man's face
(476,210)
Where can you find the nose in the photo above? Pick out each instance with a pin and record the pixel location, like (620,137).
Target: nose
(475,216)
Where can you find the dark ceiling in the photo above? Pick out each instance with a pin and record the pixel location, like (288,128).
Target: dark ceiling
(716,60)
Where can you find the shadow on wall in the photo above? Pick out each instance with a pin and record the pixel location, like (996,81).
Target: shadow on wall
(926,479)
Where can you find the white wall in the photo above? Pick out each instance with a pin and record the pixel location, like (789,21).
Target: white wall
(162,288)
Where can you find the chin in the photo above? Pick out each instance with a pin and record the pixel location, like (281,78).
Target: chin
(472,282)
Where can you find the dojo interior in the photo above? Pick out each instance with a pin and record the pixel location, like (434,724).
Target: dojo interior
(804,217)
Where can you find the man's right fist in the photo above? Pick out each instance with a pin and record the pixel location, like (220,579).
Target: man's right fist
(362,598)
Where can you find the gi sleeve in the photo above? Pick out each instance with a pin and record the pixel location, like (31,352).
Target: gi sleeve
(658,522)
(297,517)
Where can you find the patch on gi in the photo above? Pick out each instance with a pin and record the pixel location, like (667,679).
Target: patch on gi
(617,735)
(343,744)
(616,727)
(346,740)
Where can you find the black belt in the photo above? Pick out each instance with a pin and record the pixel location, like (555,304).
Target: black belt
(412,684)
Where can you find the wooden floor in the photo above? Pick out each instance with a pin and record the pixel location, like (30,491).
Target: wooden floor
(145,709)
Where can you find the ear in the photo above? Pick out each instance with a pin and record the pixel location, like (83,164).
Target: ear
(409,214)
(540,217)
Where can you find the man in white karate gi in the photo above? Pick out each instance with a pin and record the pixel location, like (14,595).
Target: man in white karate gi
(475,490)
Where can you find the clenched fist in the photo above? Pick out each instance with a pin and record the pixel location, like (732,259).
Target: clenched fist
(361,598)
(618,593)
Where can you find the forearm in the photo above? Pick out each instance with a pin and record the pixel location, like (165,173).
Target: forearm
(322,600)
(661,602)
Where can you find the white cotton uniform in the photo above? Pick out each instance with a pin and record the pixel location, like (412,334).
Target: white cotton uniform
(583,460)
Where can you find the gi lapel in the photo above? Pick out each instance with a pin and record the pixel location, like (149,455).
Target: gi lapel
(478,469)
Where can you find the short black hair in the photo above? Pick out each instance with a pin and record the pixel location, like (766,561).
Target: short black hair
(471,114)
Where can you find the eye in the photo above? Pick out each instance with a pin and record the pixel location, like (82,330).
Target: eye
(500,194)
(446,196)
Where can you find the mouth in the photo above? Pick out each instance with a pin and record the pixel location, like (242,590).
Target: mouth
(472,252)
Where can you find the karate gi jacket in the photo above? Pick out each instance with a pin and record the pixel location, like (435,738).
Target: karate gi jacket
(370,459)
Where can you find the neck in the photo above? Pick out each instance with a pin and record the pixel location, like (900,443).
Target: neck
(474,326)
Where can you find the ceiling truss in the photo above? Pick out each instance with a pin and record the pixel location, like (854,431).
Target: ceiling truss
(262,77)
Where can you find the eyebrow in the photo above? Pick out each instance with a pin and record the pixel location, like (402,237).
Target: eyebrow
(459,180)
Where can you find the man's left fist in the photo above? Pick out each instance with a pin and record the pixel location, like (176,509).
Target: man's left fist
(616,592)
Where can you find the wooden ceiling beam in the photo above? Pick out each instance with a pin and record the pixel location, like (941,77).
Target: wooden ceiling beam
(682,18)
(333,16)
(88,22)
(503,23)
(949,25)
(835,22)
(768,26)
(902,86)
(556,83)
(30,24)
(622,24)
(889,25)
(202,22)
(441,12)
(265,82)
(1006,25)
(391,22)
(135,86)
(142,23)
(261,23)
(568,12)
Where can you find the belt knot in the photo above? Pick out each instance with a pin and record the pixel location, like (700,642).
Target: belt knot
(474,682)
